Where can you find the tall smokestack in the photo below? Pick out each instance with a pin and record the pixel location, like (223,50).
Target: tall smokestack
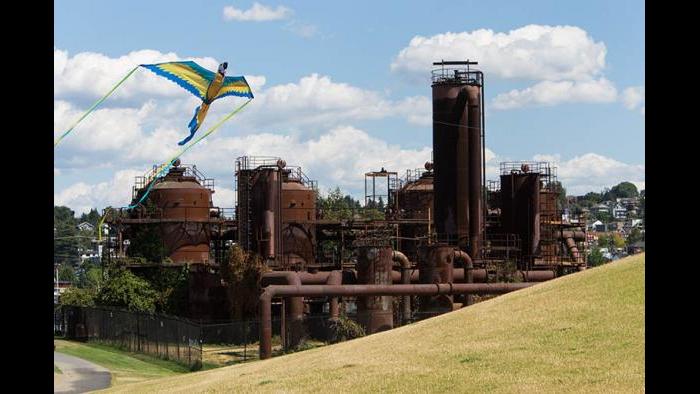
(457,151)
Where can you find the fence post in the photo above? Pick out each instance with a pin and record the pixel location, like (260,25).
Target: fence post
(177,338)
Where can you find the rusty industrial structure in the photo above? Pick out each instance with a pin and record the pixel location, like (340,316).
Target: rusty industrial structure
(446,233)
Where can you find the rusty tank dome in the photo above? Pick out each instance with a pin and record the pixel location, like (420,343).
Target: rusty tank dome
(185,203)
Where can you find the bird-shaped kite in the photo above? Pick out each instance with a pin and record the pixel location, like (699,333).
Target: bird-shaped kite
(204,84)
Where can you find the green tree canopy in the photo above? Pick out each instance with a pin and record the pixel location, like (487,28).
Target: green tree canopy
(78,297)
(622,190)
(126,290)
(66,273)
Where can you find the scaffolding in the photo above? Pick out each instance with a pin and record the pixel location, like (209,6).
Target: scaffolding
(392,185)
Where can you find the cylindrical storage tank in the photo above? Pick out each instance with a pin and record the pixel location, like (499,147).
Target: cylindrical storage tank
(520,209)
(374,268)
(298,217)
(475,171)
(415,201)
(435,265)
(451,162)
(182,198)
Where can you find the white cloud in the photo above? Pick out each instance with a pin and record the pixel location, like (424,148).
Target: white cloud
(304,30)
(317,101)
(92,75)
(81,197)
(339,157)
(633,98)
(593,172)
(566,60)
(557,92)
(535,52)
(257,13)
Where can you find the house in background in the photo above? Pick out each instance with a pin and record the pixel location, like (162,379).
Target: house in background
(85,226)
(597,226)
(618,211)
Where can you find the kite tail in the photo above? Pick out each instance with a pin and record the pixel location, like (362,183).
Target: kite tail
(98,102)
(193,127)
(166,166)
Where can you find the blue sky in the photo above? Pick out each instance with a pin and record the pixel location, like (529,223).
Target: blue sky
(313,53)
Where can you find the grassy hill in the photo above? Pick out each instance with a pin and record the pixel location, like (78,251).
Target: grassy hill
(579,333)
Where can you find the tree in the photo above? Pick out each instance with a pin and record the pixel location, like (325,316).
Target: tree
(335,206)
(66,242)
(242,272)
(66,273)
(622,190)
(78,297)
(124,289)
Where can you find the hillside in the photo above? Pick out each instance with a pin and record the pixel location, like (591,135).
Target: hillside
(580,333)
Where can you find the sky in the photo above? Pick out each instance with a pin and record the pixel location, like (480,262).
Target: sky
(342,88)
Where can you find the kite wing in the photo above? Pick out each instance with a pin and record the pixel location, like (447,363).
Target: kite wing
(234,86)
(189,75)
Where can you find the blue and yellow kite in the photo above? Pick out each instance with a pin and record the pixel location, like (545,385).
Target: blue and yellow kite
(206,85)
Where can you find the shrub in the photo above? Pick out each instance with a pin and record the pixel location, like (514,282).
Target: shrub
(342,329)
(78,297)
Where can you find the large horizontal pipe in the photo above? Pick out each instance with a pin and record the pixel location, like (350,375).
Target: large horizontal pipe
(366,290)
(479,276)
(316,278)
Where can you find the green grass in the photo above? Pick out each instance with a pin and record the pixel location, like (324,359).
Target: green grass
(126,367)
(56,369)
(579,333)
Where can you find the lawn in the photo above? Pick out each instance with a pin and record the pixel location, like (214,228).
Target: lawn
(579,333)
(125,367)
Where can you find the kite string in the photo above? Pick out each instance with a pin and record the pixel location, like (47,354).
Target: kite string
(98,102)
(165,166)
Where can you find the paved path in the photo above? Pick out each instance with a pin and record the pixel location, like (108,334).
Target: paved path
(79,376)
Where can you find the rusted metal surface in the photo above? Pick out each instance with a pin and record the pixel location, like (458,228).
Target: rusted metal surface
(466,260)
(451,162)
(475,170)
(184,201)
(520,209)
(536,276)
(374,265)
(479,275)
(293,316)
(447,289)
(298,218)
(415,202)
(405,265)
(334,278)
(436,266)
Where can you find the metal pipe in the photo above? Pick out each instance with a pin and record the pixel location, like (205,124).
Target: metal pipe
(334,278)
(366,290)
(406,280)
(468,271)
(475,169)
(293,315)
(478,276)
(536,276)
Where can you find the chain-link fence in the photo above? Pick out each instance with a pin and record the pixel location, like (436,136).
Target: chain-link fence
(193,343)
(166,337)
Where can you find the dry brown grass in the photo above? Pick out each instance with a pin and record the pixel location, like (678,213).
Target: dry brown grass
(580,333)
